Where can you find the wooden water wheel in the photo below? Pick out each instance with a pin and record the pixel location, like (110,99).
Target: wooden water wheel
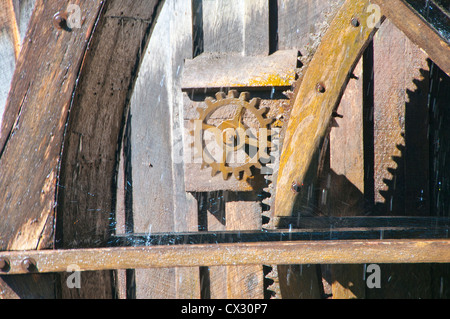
(93,169)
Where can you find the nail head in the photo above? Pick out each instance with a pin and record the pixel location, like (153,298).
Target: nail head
(60,20)
(320,87)
(355,22)
(295,187)
(4,265)
(29,265)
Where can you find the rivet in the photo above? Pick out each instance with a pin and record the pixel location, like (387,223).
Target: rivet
(60,21)
(295,188)
(4,265)
(355,22)
(29,265)
(320,87)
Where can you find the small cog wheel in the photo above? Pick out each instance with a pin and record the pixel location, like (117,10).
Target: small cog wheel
(232,146)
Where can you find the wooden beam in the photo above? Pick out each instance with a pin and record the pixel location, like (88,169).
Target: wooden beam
(32,133)
(286,253)
(87,181)
(212,72)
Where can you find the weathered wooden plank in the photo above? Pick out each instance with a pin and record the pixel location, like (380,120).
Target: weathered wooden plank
(9,49)
(256,27)
(344,192)
(91,147)
(318,96)
(227,33)
(24,10)
(156,159)
(236,212)
(307,252)
(243,212)
(345,187)
(300,23)
(212,71)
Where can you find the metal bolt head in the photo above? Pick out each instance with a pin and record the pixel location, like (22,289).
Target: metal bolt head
(355,22)
(29,265)
(4,265)
(320,87)
(60,21)
(296,187)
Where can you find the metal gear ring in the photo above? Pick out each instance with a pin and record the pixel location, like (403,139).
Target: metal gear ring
(238,148)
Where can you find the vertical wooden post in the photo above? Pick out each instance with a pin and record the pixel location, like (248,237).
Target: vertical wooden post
(159,202)
(346,179)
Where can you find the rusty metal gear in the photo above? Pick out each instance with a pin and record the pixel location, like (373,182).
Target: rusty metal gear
(238,147)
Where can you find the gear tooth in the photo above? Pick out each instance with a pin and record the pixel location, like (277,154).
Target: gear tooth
(263,111)
(201,112)
(237,173)
(255,102)
(289,94)
(268,178)
(247,172)
(266,201)
(225,175)
(220,96)
(214,171)
(268,121)
(245,96)
(274,287)
(268,188)
(258,165)
(209,101)
(233,94)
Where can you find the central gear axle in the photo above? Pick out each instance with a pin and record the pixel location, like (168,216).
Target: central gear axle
(237,147)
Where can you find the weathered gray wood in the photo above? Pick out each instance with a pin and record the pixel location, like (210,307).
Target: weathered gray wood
(235,211)
(9,49)
(301,23)
(23,10)
(157,177)
(14,17)
(256,27)
(344,185)
(223,25)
